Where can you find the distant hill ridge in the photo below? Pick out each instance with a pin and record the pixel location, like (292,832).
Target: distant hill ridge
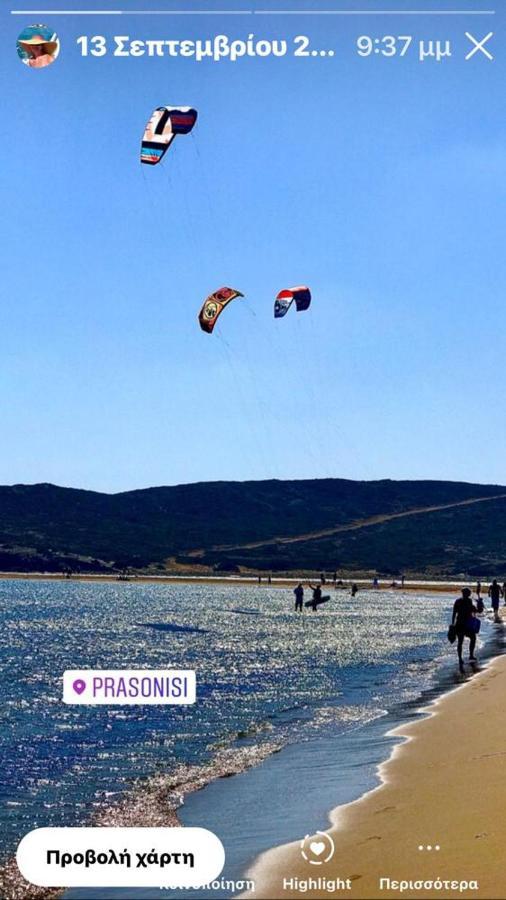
(381,526)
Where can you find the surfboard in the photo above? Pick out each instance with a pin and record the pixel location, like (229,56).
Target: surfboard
(319,602)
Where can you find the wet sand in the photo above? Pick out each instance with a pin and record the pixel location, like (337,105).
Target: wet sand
(441,786)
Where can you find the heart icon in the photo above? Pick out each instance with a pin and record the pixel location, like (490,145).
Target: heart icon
(79,685)
(317,847)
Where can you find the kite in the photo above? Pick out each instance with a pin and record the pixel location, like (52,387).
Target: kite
(163,126)
(284,300)
(214,306)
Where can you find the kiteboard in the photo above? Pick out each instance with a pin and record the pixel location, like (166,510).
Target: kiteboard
(319,602)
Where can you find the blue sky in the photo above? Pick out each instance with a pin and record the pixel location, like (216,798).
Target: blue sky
(378,182)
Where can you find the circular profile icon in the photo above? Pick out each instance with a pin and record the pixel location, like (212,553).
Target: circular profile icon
(317,848)
(38,46)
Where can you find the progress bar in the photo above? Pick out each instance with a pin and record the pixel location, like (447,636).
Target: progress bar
(252,12)
(131,12)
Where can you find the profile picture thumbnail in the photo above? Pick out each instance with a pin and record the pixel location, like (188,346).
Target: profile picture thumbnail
(38,46)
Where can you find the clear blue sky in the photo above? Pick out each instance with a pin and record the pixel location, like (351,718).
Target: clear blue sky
(380,183)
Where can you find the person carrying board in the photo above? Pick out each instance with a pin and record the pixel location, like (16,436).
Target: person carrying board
(317,596)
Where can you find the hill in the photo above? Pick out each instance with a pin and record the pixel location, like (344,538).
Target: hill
(385,526)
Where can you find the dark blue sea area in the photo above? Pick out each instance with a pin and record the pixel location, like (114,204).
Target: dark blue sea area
(310,697)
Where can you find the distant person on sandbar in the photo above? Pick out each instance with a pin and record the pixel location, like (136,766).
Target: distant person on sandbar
(269,579)
(322,578)
(495,594)
(403,579)
(478,589)
(334,577)
(375,583)
(299,597)
(354,589)
(463,613)
(317,596)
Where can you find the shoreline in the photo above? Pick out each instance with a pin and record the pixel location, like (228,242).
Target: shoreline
(439,786)
(152,801)
(432,586)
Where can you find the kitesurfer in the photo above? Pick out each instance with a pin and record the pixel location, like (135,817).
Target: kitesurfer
(317,596)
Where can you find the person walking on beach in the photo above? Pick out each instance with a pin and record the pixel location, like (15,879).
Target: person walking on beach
(463,613)
(354,589)
(478,590)
(495,593)
(299,597)
(317,596)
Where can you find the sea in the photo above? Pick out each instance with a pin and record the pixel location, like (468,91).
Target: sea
(296,706)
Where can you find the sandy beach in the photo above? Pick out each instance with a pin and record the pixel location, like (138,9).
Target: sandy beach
(441,786)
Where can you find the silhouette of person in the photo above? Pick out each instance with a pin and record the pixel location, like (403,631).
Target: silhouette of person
(463,612)
(495,593)
(299,597)
(317,596)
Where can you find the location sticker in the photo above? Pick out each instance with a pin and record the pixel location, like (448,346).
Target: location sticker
(107,687)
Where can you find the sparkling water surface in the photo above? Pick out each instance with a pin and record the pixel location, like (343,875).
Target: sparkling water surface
(264,676)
